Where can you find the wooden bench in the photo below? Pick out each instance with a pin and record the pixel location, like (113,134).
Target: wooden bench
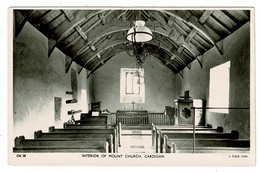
(86,126)
(32,145)
(206,145)
(213,150)
(39,135)
(156,141)
(189,135)
(92,120)
(156,129)
(93,131)
(100,126)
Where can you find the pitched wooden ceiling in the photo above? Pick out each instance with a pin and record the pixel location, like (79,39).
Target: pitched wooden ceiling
(92,37)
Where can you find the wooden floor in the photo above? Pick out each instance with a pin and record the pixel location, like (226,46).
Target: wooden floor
(136,141)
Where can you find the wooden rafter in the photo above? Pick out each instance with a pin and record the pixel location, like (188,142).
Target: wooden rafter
(193,22)
(94,62)
(188,39)
(112,30)
(69,14)
(204,17)
(81,33)
(20,20)
(183,36)
(66,28)
(87,28)
(49,17)
(68,62)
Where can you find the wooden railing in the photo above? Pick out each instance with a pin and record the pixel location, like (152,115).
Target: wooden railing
(159,119)
(139,119)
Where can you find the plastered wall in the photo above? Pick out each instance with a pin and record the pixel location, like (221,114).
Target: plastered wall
(158,84)
(37,79)
(196,80)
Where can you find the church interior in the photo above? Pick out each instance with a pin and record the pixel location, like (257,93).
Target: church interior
(131,80)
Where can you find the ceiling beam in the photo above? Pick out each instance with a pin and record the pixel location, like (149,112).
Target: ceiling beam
(69,14)
(93,61)
(48,17)
(67,27)
(164,44)
(174,34)
(51,46)
(68,62)
(204,17)
(200,43)
(94,23)
(20,20)
(113,28)
(121,48)
(188,39)
(81,33)
(193,22)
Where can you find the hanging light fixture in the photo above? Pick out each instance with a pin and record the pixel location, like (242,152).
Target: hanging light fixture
(139,32)
(137,35)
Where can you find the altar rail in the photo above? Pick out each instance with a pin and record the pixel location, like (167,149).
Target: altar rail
(147,118)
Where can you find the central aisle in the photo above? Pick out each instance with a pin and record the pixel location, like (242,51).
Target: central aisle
(136,141)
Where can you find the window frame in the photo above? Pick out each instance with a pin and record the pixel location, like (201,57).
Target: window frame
(126,97)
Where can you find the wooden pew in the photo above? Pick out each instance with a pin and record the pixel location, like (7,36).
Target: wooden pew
(156,141)
(213,150)
(31,145)
(92,131)
(189,135)
(156,129)
(92,120)
(99,126)
(206,145)
(86,126)
(39,135)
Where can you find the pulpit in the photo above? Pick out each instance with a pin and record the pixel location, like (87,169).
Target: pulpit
(185,115)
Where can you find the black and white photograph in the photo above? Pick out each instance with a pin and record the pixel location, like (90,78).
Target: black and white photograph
(131,86)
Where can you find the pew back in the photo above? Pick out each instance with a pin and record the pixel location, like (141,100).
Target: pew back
(32,145)
(159,135)
(92,131)
(206,145)
(39,135)
(189,136)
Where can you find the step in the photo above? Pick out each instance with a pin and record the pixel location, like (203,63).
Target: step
(136,132)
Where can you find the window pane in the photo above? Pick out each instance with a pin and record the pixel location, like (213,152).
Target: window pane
(129,83)
(219,87)
(135,85)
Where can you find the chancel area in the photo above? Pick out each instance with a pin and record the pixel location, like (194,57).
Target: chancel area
(131,80)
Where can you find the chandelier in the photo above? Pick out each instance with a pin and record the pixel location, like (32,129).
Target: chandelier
(137,35)
(139,32)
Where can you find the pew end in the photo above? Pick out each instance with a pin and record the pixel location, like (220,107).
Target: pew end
(37,134)
(235,134)
(153,133)
(119,133)
(18,141)
(164,147)
(51,129)
(220,129)
(106,147)
(65,125)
